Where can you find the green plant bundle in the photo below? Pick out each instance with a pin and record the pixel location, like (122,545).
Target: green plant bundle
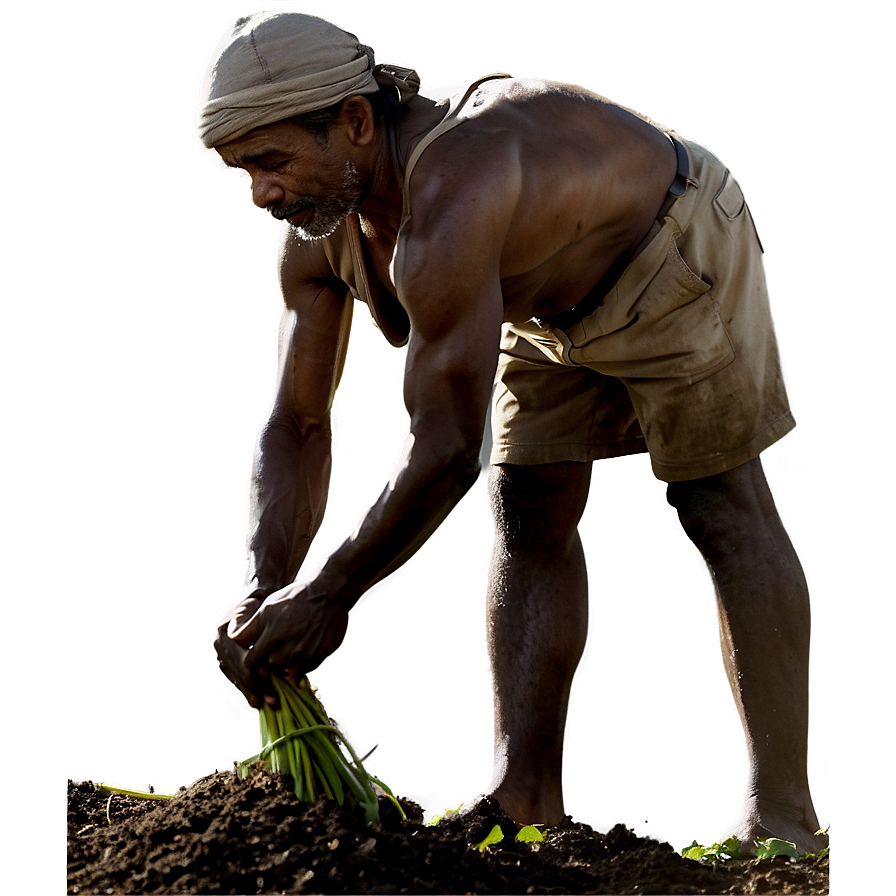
(299,739)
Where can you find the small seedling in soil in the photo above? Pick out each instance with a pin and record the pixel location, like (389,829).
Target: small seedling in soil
(725,851)
(529,834)
(729,851)
(495,835)
(447,814)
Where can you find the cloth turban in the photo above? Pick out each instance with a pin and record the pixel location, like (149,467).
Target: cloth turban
(273,65)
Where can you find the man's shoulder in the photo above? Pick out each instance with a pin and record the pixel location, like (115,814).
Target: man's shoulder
(494,136)
(485,91)
(492,120)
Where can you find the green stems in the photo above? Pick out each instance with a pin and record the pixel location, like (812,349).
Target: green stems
(299,739)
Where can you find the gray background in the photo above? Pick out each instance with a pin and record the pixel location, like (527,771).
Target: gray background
(139,307)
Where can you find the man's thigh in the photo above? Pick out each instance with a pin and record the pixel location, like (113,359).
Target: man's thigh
(545,412)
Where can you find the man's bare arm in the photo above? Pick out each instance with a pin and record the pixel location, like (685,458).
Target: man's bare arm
(291,469)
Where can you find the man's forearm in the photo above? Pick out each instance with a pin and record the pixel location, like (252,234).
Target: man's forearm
(290,479)
(427,485)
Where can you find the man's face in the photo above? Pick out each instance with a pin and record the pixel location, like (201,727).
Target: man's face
(297,177)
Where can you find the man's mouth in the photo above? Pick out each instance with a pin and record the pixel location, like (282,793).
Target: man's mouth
(282,214)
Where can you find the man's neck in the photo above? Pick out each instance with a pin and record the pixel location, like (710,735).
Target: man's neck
(383,198)
(395,142)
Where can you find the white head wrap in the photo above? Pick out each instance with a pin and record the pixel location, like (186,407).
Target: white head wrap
(273,65)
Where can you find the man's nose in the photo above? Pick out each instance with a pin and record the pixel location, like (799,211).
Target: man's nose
(266,191)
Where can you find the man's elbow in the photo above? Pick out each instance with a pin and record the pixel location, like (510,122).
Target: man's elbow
(295,428)
(464,465)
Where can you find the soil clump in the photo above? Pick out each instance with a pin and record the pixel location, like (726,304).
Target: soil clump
(231,836)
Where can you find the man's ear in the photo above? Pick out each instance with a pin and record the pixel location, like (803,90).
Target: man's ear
(356,115)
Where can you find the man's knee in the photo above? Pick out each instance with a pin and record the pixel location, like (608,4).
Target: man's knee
(538,499)
(719,507)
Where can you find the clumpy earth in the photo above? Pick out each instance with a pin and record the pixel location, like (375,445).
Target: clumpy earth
(227,835)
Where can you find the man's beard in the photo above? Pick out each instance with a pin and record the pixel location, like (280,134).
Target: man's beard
(329,211)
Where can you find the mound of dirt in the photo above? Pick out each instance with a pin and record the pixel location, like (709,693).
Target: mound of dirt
(226,835)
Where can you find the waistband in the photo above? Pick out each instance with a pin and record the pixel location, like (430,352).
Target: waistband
(566,319)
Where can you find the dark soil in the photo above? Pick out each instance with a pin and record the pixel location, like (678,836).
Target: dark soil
(225,835)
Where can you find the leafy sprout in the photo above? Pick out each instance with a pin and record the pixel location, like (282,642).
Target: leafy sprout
(495,835)
(725,851)
(729,851)
(447,814)
(529,834)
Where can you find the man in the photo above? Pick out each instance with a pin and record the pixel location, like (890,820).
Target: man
(606,278)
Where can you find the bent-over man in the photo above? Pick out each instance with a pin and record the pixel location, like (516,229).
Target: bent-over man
(600,280)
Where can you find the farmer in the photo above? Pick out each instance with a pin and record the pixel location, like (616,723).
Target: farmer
(605,277)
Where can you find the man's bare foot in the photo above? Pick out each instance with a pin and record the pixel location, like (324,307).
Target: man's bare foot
(537,811)
(761,821)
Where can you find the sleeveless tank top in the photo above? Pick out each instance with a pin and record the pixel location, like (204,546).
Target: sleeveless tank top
(349,258)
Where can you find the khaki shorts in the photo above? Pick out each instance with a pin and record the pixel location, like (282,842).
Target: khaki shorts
(680,359)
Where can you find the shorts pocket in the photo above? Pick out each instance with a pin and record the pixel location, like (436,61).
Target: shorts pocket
(671,330)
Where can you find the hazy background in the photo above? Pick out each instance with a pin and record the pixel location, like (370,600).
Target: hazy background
(138,358)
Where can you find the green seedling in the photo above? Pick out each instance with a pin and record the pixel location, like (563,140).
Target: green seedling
(765,849)
(448,813)
(495,835)
(725,851)
(529,834)
(821,832)
(729,851)
(299,739)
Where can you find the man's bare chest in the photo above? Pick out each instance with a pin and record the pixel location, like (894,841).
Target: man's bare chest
(528,290)
(379,241)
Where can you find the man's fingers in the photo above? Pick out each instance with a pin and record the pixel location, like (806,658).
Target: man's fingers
(257,659)
(251,683)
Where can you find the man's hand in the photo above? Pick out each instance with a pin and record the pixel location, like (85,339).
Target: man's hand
(231,657)
(293,632)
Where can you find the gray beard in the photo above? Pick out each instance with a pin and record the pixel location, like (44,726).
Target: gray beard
(331,211)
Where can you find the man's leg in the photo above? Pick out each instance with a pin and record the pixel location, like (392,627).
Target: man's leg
(537,620)
(763,605)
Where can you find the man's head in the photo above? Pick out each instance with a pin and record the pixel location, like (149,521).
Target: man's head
(275,65)
(306,176)
(279,87)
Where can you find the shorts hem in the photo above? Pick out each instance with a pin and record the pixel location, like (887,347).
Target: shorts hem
(530,454)
(724,461)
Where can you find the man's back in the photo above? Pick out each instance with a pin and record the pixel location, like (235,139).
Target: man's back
(571,180)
